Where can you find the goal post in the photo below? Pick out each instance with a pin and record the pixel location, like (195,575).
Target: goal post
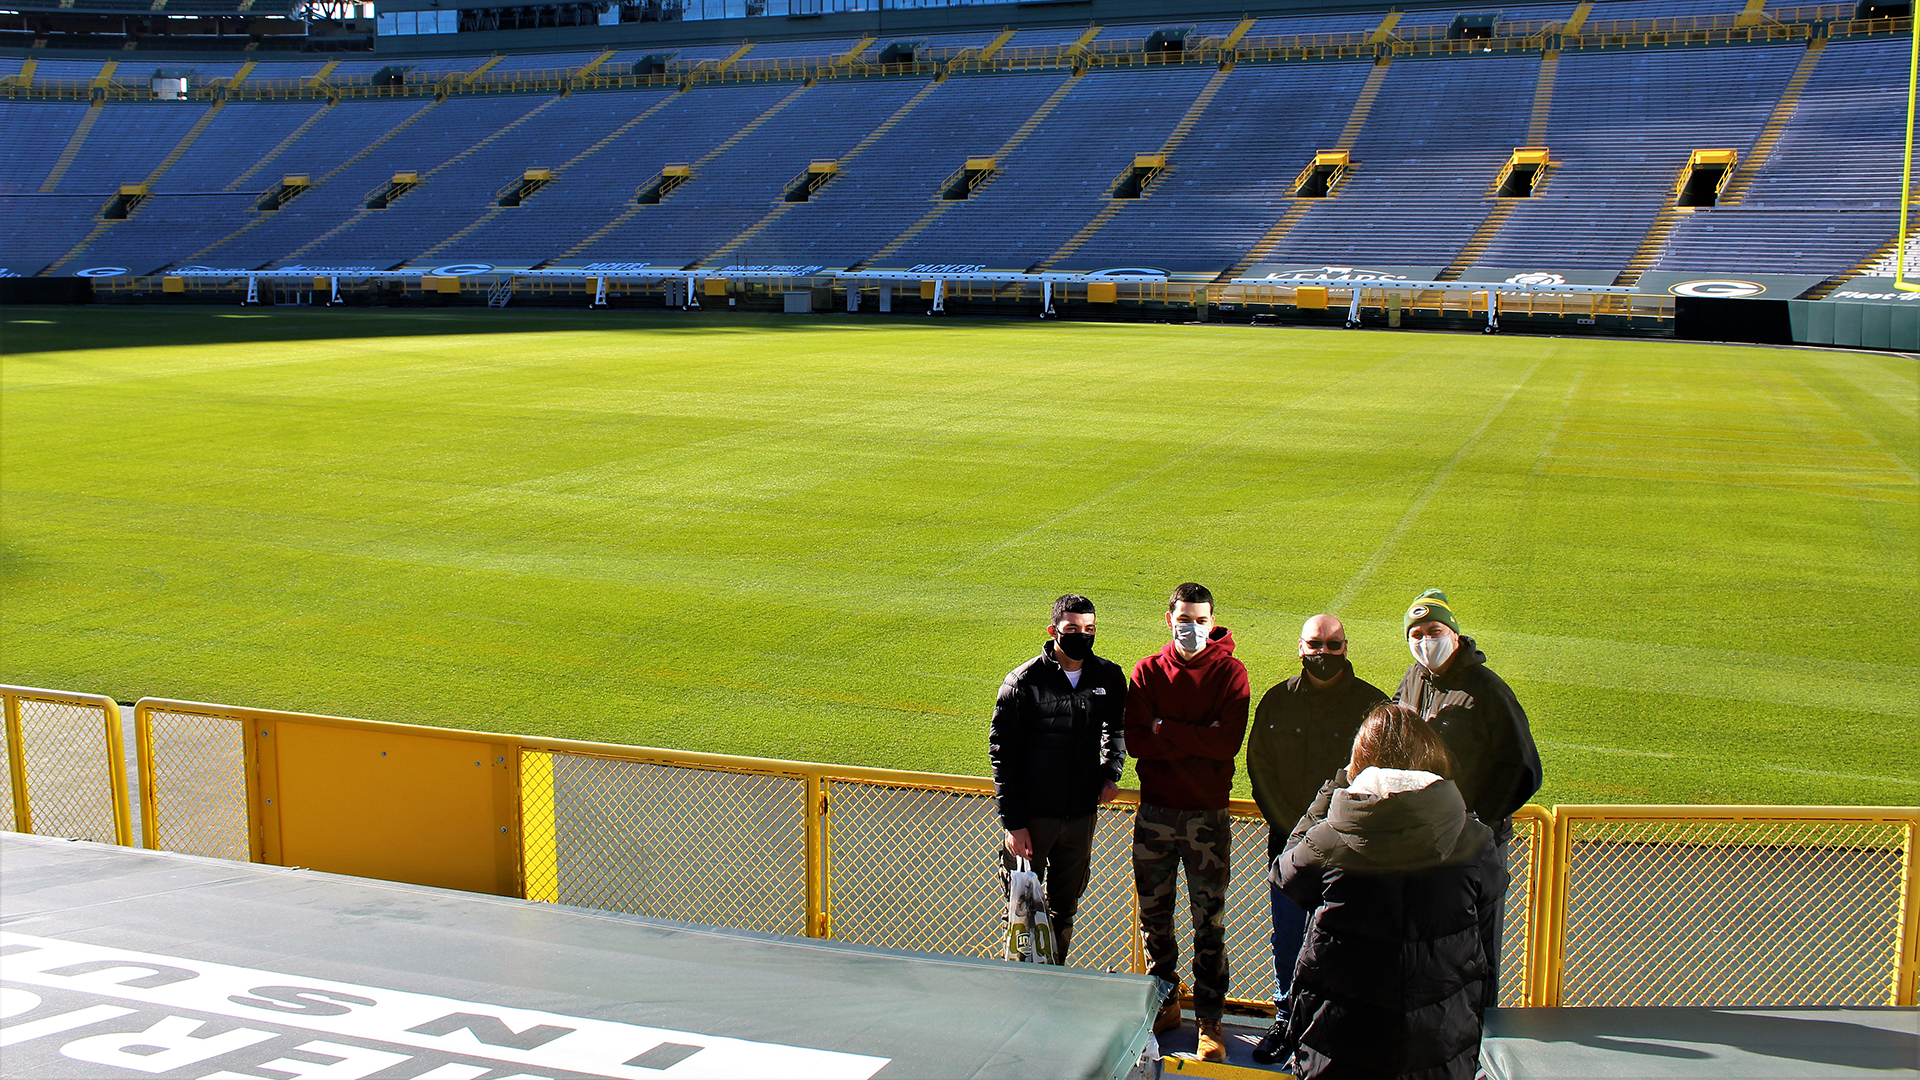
(1902,254)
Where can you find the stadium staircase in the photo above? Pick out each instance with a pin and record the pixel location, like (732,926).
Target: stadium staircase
(1356,121)
(1115,204)
(364,212)
(280,147)
(840,167)
(1652,246)
(492,212)
(1503,209)
(106,224)
(725,145)
(65,161)
(1749,169)
(265,216)
(941,206)
(1880,261)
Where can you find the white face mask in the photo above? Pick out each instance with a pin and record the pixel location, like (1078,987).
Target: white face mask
(1190,637)
(1432,652)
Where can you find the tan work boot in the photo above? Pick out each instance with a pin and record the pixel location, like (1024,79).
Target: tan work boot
(1210,1047)
(1169,1017)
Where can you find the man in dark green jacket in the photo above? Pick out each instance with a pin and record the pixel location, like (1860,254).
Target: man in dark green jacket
(1301,735)
(1475,713)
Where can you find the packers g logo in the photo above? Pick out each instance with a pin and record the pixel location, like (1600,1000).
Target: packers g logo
(1419,612)
(1718,288)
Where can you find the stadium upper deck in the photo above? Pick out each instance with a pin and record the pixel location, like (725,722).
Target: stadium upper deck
(1181,146)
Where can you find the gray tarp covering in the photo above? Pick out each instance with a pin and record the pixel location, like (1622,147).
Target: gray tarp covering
(1738,1044)
(229,968)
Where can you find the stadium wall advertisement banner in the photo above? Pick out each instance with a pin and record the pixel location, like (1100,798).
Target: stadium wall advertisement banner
(1281,273)
(1708,285)
(1537,276)
(1871,290)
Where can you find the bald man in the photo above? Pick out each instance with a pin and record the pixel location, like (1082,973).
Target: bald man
(1301,735)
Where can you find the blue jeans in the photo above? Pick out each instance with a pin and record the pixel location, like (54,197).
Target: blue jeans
(1289,933)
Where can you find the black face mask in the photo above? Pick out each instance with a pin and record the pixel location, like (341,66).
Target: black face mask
(1075,646)
(1323,666)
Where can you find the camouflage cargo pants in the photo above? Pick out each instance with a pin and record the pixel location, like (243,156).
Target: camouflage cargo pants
(1202,841)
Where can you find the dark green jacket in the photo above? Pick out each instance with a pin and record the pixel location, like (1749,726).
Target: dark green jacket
(1301,735)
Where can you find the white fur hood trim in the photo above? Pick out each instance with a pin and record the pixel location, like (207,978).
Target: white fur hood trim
(1383,782)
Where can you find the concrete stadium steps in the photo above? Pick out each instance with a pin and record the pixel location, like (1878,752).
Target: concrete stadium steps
(164,225)
(1059,177)
(739,181)
(127,142)
(749,239)
(232,141)
(653,129)
(1422,165)
(1619,142)
(1783,110)
(900,177)
(1168,149)
(355,147)
(32,128)
(1232,180)
(42,228)
(579,190)
(536,131)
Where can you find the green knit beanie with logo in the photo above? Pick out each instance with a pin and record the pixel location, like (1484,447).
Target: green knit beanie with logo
(1430,606)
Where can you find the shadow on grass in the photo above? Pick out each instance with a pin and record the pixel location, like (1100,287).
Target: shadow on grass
(29,329)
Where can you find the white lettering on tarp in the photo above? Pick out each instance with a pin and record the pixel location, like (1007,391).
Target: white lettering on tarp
(1537,279)
(173,1043)
(599,1047)
(348,1063)
(1335,273)
(948,268)
(774,271)
(11,1034)
(619,268)
(1855,294)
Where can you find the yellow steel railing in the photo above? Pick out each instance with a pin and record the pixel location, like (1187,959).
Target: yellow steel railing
(1609,905)
(66,765)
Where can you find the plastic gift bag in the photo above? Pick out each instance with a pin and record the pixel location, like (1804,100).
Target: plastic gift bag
(1029,927)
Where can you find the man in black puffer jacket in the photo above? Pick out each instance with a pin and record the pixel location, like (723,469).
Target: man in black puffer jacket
(1392,980)
(1057,745)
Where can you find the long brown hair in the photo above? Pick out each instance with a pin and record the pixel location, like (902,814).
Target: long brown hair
(1394,737)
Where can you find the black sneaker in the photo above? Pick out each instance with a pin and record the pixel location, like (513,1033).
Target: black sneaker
(1273,1045)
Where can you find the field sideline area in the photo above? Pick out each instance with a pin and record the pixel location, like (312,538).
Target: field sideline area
(829,538)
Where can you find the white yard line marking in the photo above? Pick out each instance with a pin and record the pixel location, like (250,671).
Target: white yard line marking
(1426,495)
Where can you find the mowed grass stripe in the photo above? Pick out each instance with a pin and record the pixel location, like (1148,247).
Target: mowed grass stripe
(829,538)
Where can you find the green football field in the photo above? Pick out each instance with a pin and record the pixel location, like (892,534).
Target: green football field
(830,538)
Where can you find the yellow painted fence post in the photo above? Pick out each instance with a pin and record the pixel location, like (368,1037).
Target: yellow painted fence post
(17,768)
(1907,966)
(819,918)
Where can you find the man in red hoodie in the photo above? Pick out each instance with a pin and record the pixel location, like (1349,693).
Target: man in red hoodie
(1186,717)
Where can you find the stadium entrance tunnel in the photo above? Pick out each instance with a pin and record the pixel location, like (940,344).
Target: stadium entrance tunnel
(653,63)
(288,189)
(1705,177)
(971,175)
(1521,174)
(1322,174)
(1168,44)
(1473,27)
(533,180)
(401,183)
(900,52)
(130,197)
(1870,9)
(802,187)
(671,177)
(392,75)
(1135,182)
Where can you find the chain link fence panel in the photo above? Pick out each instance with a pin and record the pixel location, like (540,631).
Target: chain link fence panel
(199,796)
(692,845)
(68,760)
(1784,913)
(7,820)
